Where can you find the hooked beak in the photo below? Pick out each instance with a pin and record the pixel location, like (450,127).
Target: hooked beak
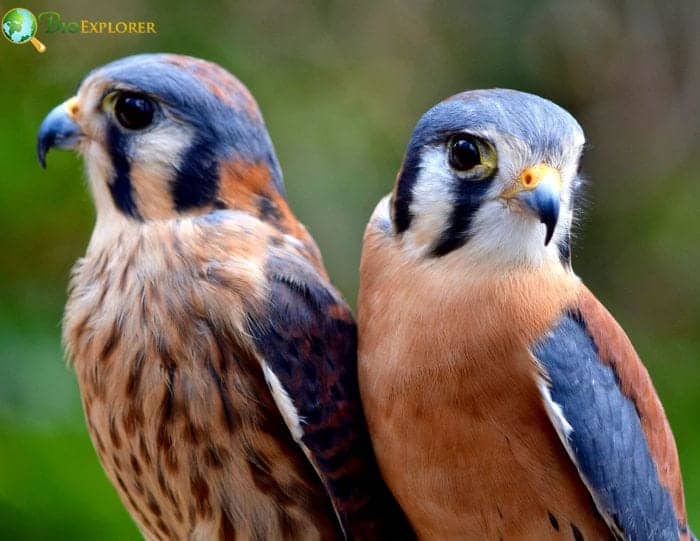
(538,188)
(59,130)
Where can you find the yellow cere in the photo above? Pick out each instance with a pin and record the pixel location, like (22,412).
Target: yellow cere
(71,106)
(531,177)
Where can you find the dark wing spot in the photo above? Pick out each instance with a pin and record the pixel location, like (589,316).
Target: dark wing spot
(553,520)
(578,536)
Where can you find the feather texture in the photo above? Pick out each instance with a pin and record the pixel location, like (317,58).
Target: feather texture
(451,397)
(465,416)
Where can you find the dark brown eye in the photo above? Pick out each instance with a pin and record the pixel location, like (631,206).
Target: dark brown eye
(464,153)
(134,111)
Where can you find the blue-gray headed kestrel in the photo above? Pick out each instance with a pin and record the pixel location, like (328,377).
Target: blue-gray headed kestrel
(503,400)
(216,362)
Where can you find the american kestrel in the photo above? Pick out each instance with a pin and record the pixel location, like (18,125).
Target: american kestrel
(503,400)
(216,362)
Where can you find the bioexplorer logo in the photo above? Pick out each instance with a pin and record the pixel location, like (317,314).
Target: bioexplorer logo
(19,25)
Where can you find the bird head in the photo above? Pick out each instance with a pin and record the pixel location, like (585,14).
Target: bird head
(490,174)
(165,135)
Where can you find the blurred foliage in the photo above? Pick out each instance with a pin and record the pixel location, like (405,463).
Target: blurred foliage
(341,86)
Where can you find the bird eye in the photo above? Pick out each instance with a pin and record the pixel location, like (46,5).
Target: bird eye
(134,111)
(464,153)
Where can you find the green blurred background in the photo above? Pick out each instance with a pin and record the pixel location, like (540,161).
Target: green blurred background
(341,86)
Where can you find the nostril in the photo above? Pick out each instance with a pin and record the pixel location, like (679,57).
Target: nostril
(72,107)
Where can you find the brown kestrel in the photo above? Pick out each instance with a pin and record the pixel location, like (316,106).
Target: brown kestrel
(216,362)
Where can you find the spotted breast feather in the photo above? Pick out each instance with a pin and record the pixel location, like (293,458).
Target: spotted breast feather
(219,384)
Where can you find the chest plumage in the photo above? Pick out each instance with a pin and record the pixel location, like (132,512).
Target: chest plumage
(178,410)
(451,393)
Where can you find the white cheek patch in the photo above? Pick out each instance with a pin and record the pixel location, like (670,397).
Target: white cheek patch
(432,202)
(504,235)
(155,156)
(160,150)
(99,170)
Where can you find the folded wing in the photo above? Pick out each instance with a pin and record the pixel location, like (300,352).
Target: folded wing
(603,405)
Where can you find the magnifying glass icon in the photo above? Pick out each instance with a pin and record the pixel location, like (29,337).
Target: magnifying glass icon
(19,26)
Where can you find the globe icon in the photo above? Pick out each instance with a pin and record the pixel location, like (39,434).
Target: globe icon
(19,26)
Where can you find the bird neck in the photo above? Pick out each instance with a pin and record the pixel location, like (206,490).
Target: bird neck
(251,187)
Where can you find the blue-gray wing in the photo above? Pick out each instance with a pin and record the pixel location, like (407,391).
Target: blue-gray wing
(601,429)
